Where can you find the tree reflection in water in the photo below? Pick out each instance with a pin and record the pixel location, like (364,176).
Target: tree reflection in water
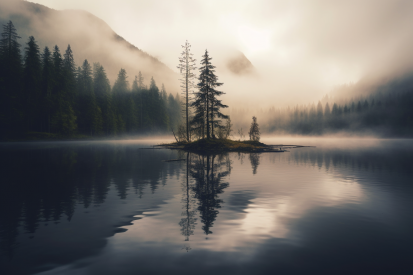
(207,173)
(188,221)
(47,185)
(255,161)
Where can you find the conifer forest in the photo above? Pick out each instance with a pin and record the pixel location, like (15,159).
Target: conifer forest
(44,91)
(44,94)
(385,113)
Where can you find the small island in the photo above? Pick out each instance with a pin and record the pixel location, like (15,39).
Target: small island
(204,130)
(224,145)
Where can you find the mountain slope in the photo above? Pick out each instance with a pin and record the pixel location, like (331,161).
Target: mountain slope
(90,38)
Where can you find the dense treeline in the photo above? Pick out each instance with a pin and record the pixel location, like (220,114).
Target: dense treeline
(387,111)
(43,91)
(388,114)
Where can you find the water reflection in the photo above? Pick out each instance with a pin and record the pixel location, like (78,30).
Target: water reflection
(60,207)
(47,186)
(255,161)
(208,172)
(392,157)
(203,184)
(188,221)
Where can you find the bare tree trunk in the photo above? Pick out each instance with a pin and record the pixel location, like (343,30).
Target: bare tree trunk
(187,104)
(207,112)
(212,119)
(186,65)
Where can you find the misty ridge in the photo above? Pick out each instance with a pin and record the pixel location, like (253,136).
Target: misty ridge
(67,91)
(89,36)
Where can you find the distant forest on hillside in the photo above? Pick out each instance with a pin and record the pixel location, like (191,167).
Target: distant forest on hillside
(386,111)
(45,92)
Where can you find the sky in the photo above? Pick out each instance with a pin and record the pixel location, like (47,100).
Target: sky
(300,49)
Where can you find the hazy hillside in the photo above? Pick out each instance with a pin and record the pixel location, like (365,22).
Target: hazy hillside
(371,87)
(90,38)
(240,65)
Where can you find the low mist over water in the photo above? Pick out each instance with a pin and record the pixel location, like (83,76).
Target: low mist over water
(110,207)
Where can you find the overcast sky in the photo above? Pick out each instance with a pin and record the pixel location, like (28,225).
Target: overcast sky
(301,49)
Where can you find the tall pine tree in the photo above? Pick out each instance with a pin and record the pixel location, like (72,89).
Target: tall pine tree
(101,87)
(120,91)
(46,89)
(207,104)
(11,105)
(64,119)
(32,80)
(90,116)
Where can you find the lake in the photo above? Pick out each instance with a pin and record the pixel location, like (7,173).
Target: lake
(109,207)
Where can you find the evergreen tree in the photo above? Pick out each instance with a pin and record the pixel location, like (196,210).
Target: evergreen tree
(353,107)
(327,111)
(46,89)
(137,98)
(90,117)
(319,111)
(164,123)
(334,111)
(131,115)
(216,105)
(198,122)
(164,96)
(254,132)
(57,86)
(32,80)
(101,88)
(120,90)
(11,105)
(140,98)
(206,102)
(140,80)
(69,76)
(64,119)
(154,104)
(135,87)
(57,63)
(174,111)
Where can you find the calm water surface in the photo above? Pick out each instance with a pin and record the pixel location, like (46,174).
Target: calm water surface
(344,207)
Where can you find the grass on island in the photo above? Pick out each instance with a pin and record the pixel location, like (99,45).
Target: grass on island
(221,145)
